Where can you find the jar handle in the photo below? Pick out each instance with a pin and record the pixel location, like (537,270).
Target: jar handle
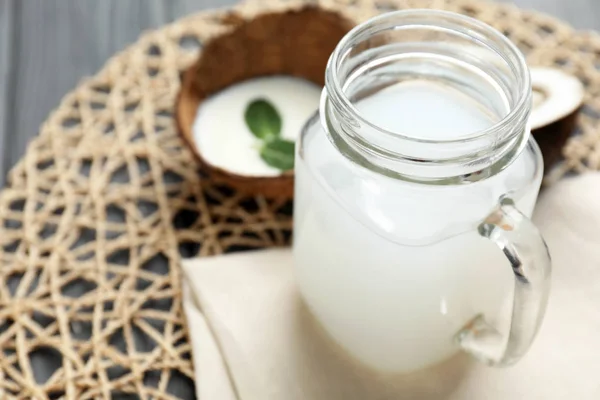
(527,253)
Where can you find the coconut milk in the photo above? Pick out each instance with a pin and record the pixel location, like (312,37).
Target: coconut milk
(393,269)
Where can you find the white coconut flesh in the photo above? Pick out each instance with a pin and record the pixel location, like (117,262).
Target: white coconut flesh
(222,136)
(556,95)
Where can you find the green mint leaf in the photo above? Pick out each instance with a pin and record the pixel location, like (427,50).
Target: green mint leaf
(278,153)
(263,120)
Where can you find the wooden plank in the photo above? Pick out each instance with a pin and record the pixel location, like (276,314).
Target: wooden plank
(50,58)
(582,14)
(6,72)
(185,7)
(61,41)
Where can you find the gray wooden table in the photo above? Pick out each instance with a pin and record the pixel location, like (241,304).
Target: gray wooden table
(47,46)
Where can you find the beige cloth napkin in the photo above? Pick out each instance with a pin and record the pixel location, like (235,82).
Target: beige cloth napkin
(253,339)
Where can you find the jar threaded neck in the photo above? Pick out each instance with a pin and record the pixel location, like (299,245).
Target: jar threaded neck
(440,47)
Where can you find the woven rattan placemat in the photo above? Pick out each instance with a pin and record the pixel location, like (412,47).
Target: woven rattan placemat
(107,199)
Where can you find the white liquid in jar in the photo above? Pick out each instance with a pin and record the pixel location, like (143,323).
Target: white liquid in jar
(220,130)
(394,269)
(434,112)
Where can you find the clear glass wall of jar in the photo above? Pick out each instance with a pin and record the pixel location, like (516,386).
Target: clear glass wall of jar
(410,246)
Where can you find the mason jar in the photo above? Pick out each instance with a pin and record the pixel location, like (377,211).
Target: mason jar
(414,187)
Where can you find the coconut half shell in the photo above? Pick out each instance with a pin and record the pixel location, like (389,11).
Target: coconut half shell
(294,42)
(557,99)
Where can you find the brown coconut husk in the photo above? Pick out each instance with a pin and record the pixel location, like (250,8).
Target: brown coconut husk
(294,42)
(552,138)
(554,116)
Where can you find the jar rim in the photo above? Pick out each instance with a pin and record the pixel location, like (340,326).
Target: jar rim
(518,63)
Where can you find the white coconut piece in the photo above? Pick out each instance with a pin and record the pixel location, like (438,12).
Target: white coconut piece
(220,132)
(556,95)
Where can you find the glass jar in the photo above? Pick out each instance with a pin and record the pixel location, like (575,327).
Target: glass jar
(414,185)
